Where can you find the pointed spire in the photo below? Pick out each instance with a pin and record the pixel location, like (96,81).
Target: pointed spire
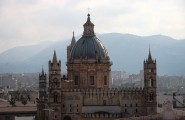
(42,70)
(73,41)
(54,57)
(88,18)
(149,55)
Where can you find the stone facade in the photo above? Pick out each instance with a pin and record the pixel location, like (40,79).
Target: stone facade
(86,93)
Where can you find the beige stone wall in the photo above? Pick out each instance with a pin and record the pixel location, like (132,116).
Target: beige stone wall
(128,102)
(84,71)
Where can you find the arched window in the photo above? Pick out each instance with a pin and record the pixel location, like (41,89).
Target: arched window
(150,82)
(67,118)
(55,83)
(55,98)
(91,80)
(151,97)
(76,80)
(105,80)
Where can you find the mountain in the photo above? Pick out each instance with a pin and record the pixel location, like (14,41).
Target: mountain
(126,51)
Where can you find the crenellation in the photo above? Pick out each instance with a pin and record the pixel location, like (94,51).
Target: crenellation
(101,115)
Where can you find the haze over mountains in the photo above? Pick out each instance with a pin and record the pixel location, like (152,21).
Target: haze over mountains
(126,51)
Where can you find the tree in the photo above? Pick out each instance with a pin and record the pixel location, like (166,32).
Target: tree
(12,102)
(24,101)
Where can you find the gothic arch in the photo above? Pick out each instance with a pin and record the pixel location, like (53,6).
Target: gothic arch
(151,96)
(56,96)
(55,82)
(67,118)
(150,82)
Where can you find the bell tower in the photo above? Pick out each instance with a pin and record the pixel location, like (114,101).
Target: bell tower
(54,90)
(42,96)
(150,85)
(42,85)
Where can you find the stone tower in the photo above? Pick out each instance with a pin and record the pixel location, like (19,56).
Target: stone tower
(42,85)
(42,96)
(54,90)
(150,85)
(88,63)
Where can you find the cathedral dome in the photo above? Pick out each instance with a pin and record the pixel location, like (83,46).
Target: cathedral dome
(89,47)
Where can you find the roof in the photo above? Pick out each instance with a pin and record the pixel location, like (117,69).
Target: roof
(89,47)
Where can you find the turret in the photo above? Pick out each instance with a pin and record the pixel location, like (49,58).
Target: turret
(150,84)
(54,64)
(42,85)
(54,90)
(150,72)
(70,47)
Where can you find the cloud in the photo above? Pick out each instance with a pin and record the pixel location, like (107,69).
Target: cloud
(29,22)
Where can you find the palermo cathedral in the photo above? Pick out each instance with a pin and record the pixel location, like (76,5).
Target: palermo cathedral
(86,93)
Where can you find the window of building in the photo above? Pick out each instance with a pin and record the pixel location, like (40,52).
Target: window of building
(63,105)
(77,105)
(55,98)
(76,79)
(136,110)
(130,105)
(91,80)
(76,110)
(70,110)
(104,102)
(70,105)
(125,110)
(136,104)
(150,82)
(151,96)
(125,105)
(55,83)
(105,80)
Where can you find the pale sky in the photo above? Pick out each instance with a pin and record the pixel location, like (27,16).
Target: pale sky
(25,22)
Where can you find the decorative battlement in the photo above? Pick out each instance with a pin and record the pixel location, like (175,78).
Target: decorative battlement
(101,115)
(107,91)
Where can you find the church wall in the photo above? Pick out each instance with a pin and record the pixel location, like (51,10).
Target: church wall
(71,104)
(84,71)
(127,102)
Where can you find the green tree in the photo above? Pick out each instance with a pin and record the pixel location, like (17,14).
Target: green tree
(24,101)
(12,102)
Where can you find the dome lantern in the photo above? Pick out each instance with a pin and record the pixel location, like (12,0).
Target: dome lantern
(88,27)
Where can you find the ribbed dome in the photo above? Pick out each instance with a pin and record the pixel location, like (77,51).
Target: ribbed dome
(89,47)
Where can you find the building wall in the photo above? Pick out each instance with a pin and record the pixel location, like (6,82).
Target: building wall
(84,71)
(124,102)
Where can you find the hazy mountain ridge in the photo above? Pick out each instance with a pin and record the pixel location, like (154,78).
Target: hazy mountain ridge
(127,52)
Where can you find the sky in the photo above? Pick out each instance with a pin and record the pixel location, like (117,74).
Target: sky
(28,22)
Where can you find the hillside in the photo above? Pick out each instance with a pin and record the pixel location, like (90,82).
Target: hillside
(126,51)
